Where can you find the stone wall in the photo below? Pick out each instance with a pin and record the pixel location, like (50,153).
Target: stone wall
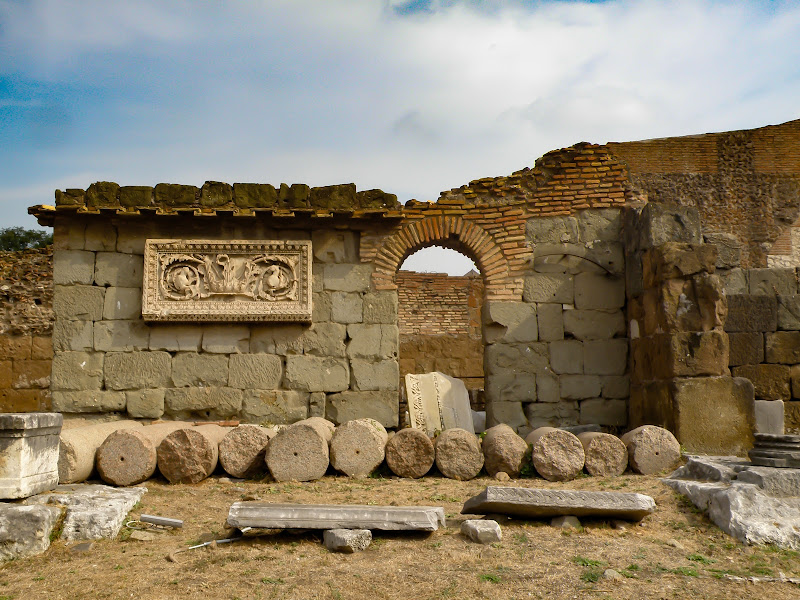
(26,297)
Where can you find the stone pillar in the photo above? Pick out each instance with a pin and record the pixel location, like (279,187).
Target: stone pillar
(29,451)
(679,350)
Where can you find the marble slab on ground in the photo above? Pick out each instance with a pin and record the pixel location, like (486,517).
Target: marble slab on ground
(29,452)
(265,515)
(536,504)
(437,402)
(754,504)
(91,511)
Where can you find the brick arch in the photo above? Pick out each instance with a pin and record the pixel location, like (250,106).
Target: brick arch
(449,232)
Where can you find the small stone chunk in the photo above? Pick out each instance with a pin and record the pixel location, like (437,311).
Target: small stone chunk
(502,476)
(503,450)
(613,575)
(300,451)
(482,531)
(410,453)
(458,454)
(242,451)
(606,454)
(358,447)
(651,449)
(347,540)
(557,454)
(566,522)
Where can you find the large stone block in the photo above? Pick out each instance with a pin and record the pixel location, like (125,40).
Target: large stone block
(347,277)
(317,374)
(335,246)
(594,324)
(68,234)
(190,369)
(734,281)
(547,388)
(122,303)
(509,322)
(772,282)
(605,357)
(73,267)
(795,380)
(383,406)
(77,371)
(26,530)
(213,403)
(550,321)
(618,386)
(694,304)
(367,375)
(752,313)
(771,382)
(691,353)
(117,269)
(42,347)
(789,312)
(321,306)
(279,339)
(131,238)
(603,411)
(510,387)
(29,447)
(254,195)
(554,414)
(347,307)
(594,291)
(516,359)
(747,348)
(137,370)
(31,374)
(30,400)
(135,196)
(215,194)
(372,341)
(226,339)
(121,336)
(661,223)
(566,356)
(145,404)
(102,193)
(549,287)
(510,413)
(791,417)
(769,417)
(274,407)
(15,347)
(100,236)
(601,224)
(175,194)
(380,307)
(255,371)
(324,339)
(88,401)
(783,347)
(579,387)
(609,256)
(729,249)
(78,302)
(175,338)
(552,230)
(675,260)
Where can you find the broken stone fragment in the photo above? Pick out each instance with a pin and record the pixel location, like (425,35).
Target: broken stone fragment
(482,531)
(347,540)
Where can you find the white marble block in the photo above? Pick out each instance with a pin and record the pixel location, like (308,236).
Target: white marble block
(28,453)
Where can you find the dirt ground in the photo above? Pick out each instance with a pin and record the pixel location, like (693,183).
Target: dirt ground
(674,553)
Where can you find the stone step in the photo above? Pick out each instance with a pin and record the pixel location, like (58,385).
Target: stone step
(533,503)
(265,515)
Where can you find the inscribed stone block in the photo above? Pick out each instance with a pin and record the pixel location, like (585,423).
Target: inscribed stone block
(594,291)
(73,267)
(509,322)
(552,230)
(77,371)
(117,269)
(594,324)
(549,287)
(367,375)
(578,387)
(347,308)
(605,357)
(175,338)
(437,402)
(372,341)
(771,382)
(335,246)
(783,347)
(145,404)
(747,348)
(226,339)
(274,407)
(347,277)
(121,336)
(215,402)
(752,313)
(324,339)
(550,321)
(78,302)
(137,370)
(88,401)
(255,371)
(316,374)
(566,356)
(100,236)
(604,412)
(380,307)
(192,369)
(346,406)
(772,282)
(122,303)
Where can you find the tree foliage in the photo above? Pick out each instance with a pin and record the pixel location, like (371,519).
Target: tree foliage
(19,238)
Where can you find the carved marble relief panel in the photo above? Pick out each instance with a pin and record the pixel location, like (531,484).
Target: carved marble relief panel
(207,280)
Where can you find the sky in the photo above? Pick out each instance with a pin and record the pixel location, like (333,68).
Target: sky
(413,97)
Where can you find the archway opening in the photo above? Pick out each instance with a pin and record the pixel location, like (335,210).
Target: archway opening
(440,295)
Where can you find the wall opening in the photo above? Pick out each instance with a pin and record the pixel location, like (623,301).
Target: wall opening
(440,294)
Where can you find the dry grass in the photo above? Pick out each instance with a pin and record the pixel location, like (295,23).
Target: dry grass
(675,553)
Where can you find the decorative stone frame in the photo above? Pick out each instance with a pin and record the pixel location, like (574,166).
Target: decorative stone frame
(265,280)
